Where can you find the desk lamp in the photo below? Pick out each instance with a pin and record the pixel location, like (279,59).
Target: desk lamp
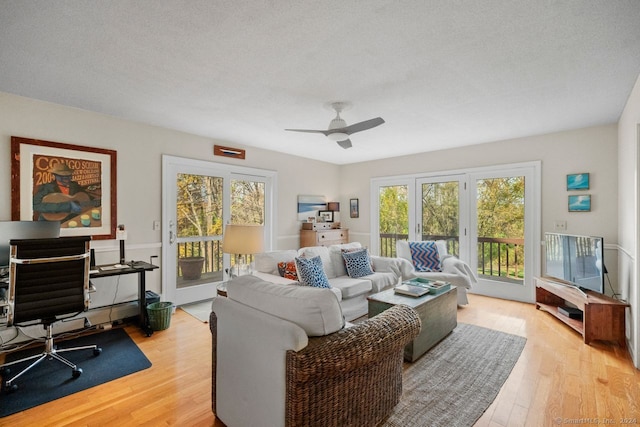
(242,240)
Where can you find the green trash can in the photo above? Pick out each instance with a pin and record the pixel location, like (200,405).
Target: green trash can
(160,315)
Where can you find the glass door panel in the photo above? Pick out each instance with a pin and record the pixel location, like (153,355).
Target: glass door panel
(500,218)
(393,217)
(440,213)
(199,219)
(248,195)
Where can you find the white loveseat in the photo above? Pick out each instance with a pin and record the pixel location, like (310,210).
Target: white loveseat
(351,292)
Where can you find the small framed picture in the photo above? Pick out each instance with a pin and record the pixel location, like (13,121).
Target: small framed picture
(580,203)
(578,181)
(326,216)
(354,209)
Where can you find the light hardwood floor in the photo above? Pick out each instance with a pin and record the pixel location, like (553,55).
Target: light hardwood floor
(557,378)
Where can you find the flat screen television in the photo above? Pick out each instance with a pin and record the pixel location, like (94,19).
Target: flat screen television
(24,230)
(576,260)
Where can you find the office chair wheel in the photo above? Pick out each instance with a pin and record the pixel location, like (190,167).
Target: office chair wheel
(9,388)
(4,372)
(97,351)
(76,372)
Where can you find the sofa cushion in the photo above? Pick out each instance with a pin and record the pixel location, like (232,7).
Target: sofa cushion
(358,263)
(284,281)
(311,273)
(323,253)
(425,256)
(351,287)
(267,262)
(337,261)
(315,310)
(287,269)
(403,251)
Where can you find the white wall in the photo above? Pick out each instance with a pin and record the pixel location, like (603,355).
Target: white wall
(629,200)
(139,150)
(592,150)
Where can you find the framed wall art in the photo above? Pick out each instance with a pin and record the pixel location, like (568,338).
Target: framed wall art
(354,208)
(72,184)
(310,206)
(578,181)
(580,203)
(326,216)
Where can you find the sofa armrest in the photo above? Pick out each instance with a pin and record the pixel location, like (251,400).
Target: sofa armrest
(366,357)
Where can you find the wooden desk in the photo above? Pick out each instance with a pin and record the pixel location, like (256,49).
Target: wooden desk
(139,267)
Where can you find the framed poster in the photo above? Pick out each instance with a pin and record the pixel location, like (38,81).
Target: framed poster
(72,184)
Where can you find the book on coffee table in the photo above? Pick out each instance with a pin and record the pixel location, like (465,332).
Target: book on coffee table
(434,287)
(411,290)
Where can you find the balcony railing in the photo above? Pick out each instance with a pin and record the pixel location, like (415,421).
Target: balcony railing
(498,258)
(213,266)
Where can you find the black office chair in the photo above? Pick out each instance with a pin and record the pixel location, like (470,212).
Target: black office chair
(48,282)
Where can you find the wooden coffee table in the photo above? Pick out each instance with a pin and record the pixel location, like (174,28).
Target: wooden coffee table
(438,313)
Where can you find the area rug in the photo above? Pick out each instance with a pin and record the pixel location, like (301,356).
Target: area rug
(200,310)
(50,379)
(456,381)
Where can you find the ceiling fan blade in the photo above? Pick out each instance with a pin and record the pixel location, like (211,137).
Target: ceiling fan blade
(358,127)
(345,144)
(324,132)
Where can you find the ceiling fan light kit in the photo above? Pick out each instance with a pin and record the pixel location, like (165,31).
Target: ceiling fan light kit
(338,130)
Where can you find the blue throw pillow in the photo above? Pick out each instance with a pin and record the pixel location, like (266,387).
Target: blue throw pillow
(425,256)
(358,263)
(311,272)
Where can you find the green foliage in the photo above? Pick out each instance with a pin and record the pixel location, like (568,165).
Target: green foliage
(199,205)
(247,202)
(440,209)
(394,210)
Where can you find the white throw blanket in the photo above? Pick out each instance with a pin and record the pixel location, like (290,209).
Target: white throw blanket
(454,271)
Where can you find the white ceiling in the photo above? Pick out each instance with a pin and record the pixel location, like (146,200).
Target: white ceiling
(441,73)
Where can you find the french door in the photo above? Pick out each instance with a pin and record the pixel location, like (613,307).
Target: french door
(489,217)
(199,198)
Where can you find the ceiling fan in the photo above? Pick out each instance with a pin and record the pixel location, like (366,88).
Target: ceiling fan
(338,130)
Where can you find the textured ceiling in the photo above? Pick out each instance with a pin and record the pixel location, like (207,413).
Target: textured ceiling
(442,73)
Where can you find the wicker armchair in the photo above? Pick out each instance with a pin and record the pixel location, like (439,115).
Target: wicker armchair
(352,377)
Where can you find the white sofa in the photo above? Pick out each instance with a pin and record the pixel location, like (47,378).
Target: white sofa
(281,357)
(454,270)
(351,292)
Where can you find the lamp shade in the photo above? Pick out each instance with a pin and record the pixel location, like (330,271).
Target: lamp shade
(333,206)
(243,239)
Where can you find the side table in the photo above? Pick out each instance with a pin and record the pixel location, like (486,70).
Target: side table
(221,289)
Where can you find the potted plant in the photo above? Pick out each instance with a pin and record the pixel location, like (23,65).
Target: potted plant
(191,267)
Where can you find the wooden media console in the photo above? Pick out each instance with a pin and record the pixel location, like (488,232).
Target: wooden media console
(603,318)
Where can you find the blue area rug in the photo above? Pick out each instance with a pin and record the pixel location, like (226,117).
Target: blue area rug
(51,380)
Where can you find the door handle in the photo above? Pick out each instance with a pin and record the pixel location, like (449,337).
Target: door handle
(172,235)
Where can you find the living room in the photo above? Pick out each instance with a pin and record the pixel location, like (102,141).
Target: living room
(607,150)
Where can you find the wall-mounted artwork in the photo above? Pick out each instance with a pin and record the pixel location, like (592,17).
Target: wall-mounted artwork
(578,181)
(72,184)
(309,206)
(354,208)
(580,203)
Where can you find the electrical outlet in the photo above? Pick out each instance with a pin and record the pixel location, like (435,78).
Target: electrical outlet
(156,225)
(560,225)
